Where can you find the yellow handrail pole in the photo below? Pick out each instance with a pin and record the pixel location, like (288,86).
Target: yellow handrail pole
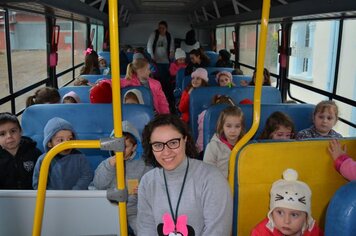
(257,93)
(42,182)
(115,66)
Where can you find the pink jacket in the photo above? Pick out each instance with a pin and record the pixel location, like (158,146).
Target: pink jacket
(346,167)
(174,67)
(159,99)
(262,230)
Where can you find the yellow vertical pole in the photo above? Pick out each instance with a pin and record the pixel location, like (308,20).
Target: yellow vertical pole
(115,68)
(257,93)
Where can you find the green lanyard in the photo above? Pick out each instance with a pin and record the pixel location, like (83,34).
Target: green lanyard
(175,216)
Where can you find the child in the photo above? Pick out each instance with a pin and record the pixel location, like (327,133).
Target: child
(133,96)
(199,79)
(217,99)
(18,154)
(266,79)
(71,97)
(43,96)
(103,66)
(135,168)
(198,58)
(224,79)
(138,74)
(69,169)
(224,59)
(81,82)
(278,126)
(91,63)
(324,118)
(230,129)
(101,92)
(179,63)
(343,163)
(290,209)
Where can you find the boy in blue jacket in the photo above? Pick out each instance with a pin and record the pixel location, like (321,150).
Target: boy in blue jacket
(69,169)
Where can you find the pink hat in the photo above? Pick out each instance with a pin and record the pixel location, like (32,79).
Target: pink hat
(201,73)
(73,95)
(101,92)
(226,73)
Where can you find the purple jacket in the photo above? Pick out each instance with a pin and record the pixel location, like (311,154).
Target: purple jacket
(159,99)
(346,167)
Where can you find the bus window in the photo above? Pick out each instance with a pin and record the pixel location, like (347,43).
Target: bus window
(220,39)
(346,112)
(229,44)
(247,42)
(65,51)
(80,44)
(100,37)
(94,31)
(4,82)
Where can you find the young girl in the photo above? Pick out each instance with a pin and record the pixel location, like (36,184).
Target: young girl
(217,99)
(224,59)
(135,168)
(278,126)
(290,209)
(343,163)
(224,79)
(179,62)
(230,129)
(44,95)
(266,79)
(197,59)
(138,74)
(71,97)
(133,96)
(91,63)
(324,118)
(18,154)
(103,66)
(69,170)
(199,79)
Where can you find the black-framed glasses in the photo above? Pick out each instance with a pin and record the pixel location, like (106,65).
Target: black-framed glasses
(171,144)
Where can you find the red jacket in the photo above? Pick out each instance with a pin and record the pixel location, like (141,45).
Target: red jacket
(184,106)
(262,230)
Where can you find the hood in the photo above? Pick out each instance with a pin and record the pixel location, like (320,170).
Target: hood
(138,95)
(52,127)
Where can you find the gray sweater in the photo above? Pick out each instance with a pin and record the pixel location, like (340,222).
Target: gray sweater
(105,178)
(206,200)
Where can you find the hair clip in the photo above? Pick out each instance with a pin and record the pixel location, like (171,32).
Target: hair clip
(88,51)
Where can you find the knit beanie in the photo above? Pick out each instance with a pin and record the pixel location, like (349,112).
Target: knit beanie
(226,73)
(179,54)
(52,127)
(292,194)
(101,92)
(137,93)
(201,73)
(73,95)
(225,55)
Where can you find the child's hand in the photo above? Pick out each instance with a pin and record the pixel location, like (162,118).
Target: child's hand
(112,160)
(335,149)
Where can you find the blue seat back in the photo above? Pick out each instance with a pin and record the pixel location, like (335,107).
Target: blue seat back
(106,56)
(129,56)
(301,114)
(90,121)
(236,79)
(93,78)
(200,99)
(341,212)
(213,56)
(212,80)
(83,93)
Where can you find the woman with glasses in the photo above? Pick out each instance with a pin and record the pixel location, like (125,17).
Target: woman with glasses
(182,196)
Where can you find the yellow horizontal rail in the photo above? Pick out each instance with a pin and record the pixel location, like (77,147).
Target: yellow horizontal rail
(42,183)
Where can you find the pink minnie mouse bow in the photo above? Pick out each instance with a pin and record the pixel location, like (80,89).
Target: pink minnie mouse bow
(88,51)
(181,226)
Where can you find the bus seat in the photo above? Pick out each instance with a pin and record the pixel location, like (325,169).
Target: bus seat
(93,78)
(213,56)
(261,164)
(236,79)
(212,80)
(83,93)
(90,121)
(200,99)
(213,70)
(301,114)
(79,213)
(179,80)
(129,56)
(106,56)
(341,213)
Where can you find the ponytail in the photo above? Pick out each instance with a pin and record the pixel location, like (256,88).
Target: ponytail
(129,71)
(30,100)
